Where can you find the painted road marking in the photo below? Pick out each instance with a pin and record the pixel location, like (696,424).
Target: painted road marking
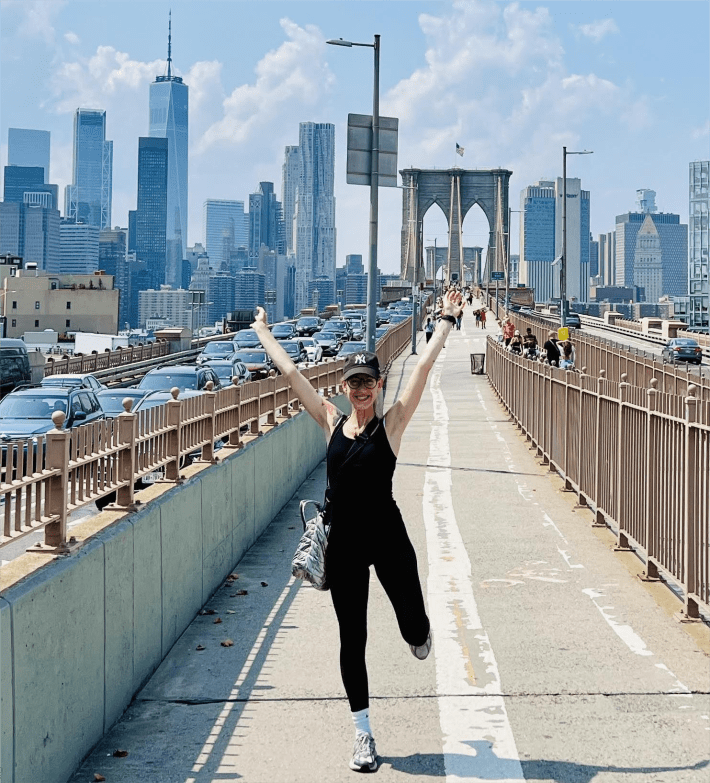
(478,741)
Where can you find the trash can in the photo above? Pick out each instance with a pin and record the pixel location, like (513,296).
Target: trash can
(478,361)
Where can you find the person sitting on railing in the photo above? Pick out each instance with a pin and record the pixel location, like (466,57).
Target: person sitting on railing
(366,526)
(516,343)
(530,344)
(552,352)
(567,360)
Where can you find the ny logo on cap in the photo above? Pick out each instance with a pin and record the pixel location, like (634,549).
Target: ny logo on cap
(360,359)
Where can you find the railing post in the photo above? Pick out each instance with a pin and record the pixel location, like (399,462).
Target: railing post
(271,414)
(256,424)
(581,500)
(568,425)
(598,516)
(622,543)
(172,468)
(127,426)
(650,573)
(691,610)
(235,436)
(209,398)
(57,443)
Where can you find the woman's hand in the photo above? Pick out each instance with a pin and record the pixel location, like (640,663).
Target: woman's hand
(453,304)
(260,319)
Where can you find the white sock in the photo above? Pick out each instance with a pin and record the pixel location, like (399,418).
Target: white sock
(361,719)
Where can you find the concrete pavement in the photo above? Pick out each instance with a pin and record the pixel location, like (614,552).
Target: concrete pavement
(551,660)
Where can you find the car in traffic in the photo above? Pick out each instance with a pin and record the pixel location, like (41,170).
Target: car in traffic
(342,324)
(398,318)
(383,315)
(247,338)
(217,349)
(28,412)
(256,360)
(329,341)
(682,349)
(295,349)
(574,321)
(307,324)
(381,331)
(82,380)
(14,365)
(352,346)
(284,331)
(111,400)
(182,376)
(313,349)
(227,370)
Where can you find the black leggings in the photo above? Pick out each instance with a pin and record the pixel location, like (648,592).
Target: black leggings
(349,579)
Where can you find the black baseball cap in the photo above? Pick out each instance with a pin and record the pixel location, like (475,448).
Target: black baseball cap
(362,363)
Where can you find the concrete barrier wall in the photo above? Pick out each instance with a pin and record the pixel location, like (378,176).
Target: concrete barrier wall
(80,636)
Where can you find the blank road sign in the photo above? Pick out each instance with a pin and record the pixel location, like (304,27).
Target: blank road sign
(359,164)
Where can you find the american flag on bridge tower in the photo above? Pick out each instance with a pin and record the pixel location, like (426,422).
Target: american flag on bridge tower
(459,150)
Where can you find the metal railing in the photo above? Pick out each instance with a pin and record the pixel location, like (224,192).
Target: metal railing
(639,457)
(42,480)
(108,359)
(598,353)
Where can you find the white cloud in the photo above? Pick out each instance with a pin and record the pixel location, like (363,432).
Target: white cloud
(36,17)
(702,131)
(598,29)
(72,38)
(293,76)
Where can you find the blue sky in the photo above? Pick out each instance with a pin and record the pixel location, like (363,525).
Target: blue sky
(510,82)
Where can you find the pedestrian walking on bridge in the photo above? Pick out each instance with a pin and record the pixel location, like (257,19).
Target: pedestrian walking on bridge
(367,528)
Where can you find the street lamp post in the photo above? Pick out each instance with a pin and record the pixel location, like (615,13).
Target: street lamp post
(374,190)
(563,254)
(507,262)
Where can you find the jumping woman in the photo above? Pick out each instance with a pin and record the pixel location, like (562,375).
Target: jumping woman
(361,458)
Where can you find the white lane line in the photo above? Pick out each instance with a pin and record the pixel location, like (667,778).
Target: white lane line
(478,741)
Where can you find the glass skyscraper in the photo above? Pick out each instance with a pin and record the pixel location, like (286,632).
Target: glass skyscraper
(225,227)
(699,244)
(168,111)
(314,221)
(265,221)
(541,238)
(27,147)
(88,198)
(151,209)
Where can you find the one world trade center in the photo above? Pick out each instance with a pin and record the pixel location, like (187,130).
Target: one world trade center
(168,120)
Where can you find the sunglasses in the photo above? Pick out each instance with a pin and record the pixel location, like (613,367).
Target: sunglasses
(359,380)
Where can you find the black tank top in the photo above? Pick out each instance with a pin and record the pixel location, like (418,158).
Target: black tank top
(360,468)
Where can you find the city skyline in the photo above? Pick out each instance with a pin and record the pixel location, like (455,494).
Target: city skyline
(566,73)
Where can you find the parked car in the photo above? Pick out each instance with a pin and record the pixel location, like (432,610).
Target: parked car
(351,347)
(308,324)
(79,380)
(217,349)
(184,376)
(295,349)
(227,369)
(682,349)
(574,321)
(14,365)
(313,349)
(284,331)
(257,361)
(247,338)
(329,341)
(111,400)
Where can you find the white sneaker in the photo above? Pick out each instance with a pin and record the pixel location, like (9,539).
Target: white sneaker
(422,652)
(364,753)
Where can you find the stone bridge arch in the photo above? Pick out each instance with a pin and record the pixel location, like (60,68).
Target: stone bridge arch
(456,191)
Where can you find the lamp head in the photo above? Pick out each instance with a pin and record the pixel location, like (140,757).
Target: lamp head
(339,42)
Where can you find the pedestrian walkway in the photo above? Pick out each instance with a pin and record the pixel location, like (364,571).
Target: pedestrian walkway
(551,660)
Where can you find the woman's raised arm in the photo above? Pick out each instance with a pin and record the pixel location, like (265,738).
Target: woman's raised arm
(323,411)
(400,414)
